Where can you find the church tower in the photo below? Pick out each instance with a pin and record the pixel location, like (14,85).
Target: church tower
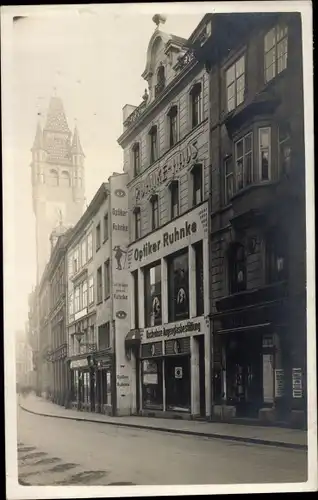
(57,179)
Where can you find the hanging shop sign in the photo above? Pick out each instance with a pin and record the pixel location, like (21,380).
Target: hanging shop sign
(178,373)
(79,363)
(279,383)
(164,173)
(297,383)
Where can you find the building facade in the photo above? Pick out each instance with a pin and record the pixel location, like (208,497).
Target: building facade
(24,361)
(258,248)
(57,179)
(166,158)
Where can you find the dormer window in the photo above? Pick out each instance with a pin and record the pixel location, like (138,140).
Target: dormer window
(153,138)
(174,192)
(136,158)
(154,212)
(173,125)
(196,104)
(161,80)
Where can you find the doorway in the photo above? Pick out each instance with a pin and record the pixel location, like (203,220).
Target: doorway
(177,382)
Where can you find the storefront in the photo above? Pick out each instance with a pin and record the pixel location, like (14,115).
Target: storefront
(103,367)
(82,384)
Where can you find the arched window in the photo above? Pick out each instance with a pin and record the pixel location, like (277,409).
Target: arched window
(65,179)
(161,80)
(54,178)
(237,268)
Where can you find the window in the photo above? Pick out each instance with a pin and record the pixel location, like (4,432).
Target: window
(237,268)
(70,266)
(54,178)
(154,212)
(99,284)
(137,216)
(196,184)
(153,137)
(91,290)
(196,104)
(84,294)
(264,153)
(275,52)
(71,304)
(229,179)
(284,150)
(106,227)
(160,80)
(174,192)
(152,383)
(136,298)
(104,336)
(65,179)
(198,249)
(178,287)
(90,246)
(243,161)
(107,279)
(76,264)
(173,125)
(77,299)
(84,252)
(235,84)
(136,158)
(98,238)
(275,257)
(152,280)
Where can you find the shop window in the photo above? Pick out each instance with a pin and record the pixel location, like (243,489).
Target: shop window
(275,257)
(154,212)
(107,279)
(199,278)
(275,52)
(137,217)
(98,237)
(243,161)
(173,125)
(264,153)
(153,138)
(152,383)
(284,150)
(235,84)
(136,159)
(178,286)
(153,307)
(104,336)
(99,285)
(237,268)
(174,193)
(89,246)
(106,227)
(136,297)
(177,381)
(196,173)
(229,179)
(196,104)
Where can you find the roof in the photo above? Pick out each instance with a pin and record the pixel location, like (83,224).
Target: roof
(76,143)
(56,119)
(38,140)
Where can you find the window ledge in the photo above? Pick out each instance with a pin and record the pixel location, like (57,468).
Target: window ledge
(107,297)
(251,187)
(99,302)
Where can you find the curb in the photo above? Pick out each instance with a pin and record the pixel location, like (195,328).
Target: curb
(210,435)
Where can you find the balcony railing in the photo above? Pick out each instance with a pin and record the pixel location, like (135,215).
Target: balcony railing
(184,60)
(134,116)
(159,87)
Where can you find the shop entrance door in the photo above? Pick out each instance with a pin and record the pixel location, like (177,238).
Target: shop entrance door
(177,382)
(244,374)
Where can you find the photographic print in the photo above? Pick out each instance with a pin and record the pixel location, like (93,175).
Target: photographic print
(159,249)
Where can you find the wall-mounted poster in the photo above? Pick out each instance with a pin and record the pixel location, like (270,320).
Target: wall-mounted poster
(297,383)
(279,383)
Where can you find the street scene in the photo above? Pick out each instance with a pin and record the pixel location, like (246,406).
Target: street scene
(160,325)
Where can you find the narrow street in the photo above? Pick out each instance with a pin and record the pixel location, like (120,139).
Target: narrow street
(54,451)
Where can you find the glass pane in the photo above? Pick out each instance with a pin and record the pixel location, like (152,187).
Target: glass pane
(239,174)
(281,32)
(264,138)
(264,165)
(240,67)
(239,97)
(231,104)
(269,40)
(229,187)
(230,75)
(282,56)
(248,169)
(239,149)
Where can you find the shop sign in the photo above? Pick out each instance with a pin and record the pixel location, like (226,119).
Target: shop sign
(279,383)
(185,230)
(178,372)
(297,383)
(79,363)
(122,381)
(189,327)
(162,174)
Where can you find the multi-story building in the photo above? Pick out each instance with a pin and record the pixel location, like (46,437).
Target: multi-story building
(258,253)
(24,361)
(166,158)
(44,367)
(33,334)
(97,302)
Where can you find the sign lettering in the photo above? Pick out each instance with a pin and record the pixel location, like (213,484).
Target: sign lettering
(190,326)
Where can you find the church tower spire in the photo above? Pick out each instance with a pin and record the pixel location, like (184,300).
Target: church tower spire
(57,180)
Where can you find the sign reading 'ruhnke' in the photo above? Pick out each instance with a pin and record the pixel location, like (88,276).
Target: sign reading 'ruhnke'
(167,239)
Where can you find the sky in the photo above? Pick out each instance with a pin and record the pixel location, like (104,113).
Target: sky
(94,57)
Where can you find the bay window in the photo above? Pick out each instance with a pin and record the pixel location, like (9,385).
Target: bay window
(152,280)
(275,51)
(235,84)
(264,153)
(244,161)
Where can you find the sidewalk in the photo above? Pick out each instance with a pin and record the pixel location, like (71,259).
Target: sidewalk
(273,436)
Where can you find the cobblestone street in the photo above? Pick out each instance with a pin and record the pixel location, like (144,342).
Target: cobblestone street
(53,451)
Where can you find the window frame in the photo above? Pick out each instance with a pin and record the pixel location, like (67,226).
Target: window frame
(99,285)
(233,67)
(155,220)
(91,293)
(197,168)
(90,249)
(148,295)
(196,92)
(234,267)
(228,160)
(136,159)
(154,154)
(106,227)
(276,58)
(98,237)
(84,293)
(244,155)
(174,185)
(260,149)
(107,279)
(172,296)
(84,244)
(173,125)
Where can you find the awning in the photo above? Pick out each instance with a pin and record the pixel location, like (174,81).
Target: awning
(133,338)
